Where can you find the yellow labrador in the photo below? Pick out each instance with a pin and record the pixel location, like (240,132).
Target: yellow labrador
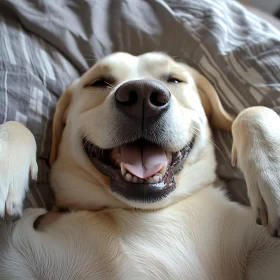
(133,163)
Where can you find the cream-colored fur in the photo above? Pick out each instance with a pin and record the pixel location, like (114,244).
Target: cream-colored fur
(17,161)
(193,233)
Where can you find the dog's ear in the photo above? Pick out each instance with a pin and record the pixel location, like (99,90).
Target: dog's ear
(211,103)
(59,122)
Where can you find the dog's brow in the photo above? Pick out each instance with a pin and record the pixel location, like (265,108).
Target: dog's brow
(103,69)
(99,71)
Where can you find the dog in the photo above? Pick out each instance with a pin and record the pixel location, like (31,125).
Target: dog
(133,174)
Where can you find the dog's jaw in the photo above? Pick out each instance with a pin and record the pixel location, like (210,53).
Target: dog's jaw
(138,190)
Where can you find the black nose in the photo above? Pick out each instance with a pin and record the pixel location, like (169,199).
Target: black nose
(142,98)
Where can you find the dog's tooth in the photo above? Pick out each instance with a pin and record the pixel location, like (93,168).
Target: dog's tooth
(163,169)
(169,156)
(123,170)
(134,179)
(156,178)
(140,181)
(150,180)
(128,177)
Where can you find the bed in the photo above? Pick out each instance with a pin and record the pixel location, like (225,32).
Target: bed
(45,45)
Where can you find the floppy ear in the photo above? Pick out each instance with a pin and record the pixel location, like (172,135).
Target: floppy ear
(59,122)
(211,103)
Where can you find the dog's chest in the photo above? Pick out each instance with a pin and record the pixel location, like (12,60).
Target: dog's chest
(178,244)
(162,251)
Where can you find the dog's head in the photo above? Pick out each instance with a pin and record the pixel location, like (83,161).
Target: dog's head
(133,131)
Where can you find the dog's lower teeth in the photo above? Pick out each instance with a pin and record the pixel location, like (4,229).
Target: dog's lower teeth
(131,178)
(150,180)
(169,156)
(128,177)
(156,179)
(163,169)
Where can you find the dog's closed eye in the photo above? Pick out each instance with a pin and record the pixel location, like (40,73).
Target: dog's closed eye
(103,82)
(173,79)
(100,83)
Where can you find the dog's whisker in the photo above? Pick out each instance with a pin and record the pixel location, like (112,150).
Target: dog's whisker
(196,130)
(108,85)
(216,146)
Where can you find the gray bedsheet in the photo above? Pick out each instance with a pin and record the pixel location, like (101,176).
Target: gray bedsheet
(44,45)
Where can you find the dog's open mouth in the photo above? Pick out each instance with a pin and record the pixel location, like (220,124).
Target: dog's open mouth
(141,171)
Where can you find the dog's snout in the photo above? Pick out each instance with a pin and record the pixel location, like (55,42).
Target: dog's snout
(142,98)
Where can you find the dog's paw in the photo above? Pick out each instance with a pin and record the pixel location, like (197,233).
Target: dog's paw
(256,150)
(17,164)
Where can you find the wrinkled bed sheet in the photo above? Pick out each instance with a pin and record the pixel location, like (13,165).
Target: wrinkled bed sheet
(44,45)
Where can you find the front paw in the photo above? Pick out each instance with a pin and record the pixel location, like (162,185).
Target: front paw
(17,163)
(256,150)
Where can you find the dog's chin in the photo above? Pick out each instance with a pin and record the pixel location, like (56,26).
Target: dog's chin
(141,173)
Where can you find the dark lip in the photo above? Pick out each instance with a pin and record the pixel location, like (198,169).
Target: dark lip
(139,192)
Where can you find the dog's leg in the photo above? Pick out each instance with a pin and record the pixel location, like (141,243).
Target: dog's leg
(17,164)
(256,150)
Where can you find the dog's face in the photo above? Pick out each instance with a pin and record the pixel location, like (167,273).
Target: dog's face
(133,131)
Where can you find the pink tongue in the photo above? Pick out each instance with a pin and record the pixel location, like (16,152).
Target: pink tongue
(144,161)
